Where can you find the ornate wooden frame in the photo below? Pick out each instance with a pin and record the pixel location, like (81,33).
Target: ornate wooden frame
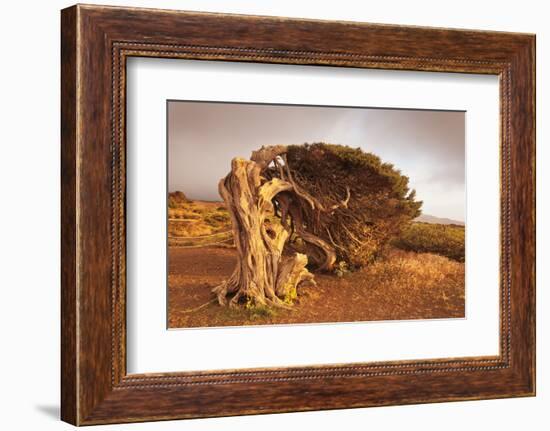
(96,41)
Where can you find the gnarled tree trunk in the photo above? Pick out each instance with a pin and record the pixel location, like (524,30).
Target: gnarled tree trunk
(268,206)
(264,274)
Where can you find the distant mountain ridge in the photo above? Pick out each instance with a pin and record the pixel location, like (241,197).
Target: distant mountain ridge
(426,218)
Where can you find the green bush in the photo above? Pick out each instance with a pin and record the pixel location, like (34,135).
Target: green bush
(445,240)
(380,201)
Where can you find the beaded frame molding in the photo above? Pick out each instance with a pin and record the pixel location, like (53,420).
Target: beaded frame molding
(95,43)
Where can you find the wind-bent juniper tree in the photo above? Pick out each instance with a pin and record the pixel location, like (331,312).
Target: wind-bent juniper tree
(308,207)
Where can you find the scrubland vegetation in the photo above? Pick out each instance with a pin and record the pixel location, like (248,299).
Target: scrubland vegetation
(443,240)
(418,275)
(197,223)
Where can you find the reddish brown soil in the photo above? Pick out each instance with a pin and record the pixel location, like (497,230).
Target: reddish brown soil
(404,286)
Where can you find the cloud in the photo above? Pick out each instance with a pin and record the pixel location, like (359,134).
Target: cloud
(427,146)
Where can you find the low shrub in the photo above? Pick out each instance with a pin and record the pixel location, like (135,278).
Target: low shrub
(445,240)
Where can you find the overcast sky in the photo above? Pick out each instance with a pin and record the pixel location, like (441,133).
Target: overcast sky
(427,146)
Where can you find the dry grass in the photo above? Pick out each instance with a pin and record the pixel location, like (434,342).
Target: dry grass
(413,271)
(399,286)
(191,219)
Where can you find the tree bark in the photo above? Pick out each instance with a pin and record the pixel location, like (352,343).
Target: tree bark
(264,275)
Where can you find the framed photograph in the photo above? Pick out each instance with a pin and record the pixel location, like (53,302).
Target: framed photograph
(322,214)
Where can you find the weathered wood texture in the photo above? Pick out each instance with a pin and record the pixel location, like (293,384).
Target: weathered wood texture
(263,274)
(95,44)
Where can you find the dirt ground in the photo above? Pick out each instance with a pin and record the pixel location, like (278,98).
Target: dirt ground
(404,286)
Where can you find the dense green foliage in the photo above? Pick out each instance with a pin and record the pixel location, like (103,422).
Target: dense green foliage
(380,201)
(445,240)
